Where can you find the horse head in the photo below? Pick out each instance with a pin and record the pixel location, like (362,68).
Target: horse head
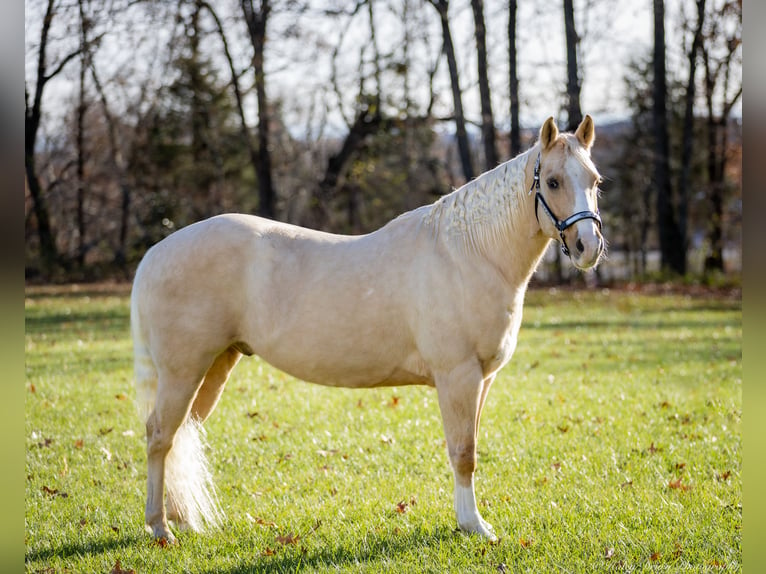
(566,182)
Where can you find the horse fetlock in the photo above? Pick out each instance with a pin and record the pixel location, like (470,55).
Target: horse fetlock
(463,460)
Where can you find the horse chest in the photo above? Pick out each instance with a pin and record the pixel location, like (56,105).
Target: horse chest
(498,347)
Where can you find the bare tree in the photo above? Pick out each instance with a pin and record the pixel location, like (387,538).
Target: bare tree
(513,77)
(720,76)
(82,108)
(487,119)
(442,7)
(687,137)
(574,113)
(673,257)
(257,20)
(32,116)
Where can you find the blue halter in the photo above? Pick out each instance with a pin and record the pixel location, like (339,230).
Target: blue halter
(561,225)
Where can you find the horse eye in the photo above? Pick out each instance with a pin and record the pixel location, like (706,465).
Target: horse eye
(553,183)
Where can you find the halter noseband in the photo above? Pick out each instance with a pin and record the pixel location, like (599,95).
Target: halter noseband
(561,225)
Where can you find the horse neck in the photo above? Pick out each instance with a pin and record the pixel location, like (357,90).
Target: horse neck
(494,216)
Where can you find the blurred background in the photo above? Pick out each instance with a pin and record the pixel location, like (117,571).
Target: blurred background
(144,116)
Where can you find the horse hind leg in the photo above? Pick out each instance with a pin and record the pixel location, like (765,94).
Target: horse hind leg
(185,514)
(214,382)
(176,462)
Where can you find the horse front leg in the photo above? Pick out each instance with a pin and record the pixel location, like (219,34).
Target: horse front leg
(461,393)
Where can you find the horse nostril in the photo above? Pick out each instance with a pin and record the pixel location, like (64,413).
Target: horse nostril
(580,247)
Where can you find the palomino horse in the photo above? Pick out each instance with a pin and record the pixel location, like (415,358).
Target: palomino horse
(434,297)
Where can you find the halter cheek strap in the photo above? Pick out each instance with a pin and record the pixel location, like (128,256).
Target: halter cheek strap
(561,225)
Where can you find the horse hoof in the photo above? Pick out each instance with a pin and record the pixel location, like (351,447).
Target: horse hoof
(162,535)
(482,528)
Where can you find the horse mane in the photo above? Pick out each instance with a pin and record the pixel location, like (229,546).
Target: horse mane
(484,212)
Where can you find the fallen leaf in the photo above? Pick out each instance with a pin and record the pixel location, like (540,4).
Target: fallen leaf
(359,404)
(267,552)
(556,466)
(394,401)
(401,508)
(289,539)
(262,522)
(32,388)
(162,542)
(83,522)
(79,443)
(121,397)
(680,466)
(525,542)
(655,556)
(253,414)
(119,570)
(723,476)
(105,431)
(313,529)
(46,443)
(54,492)
(676,485)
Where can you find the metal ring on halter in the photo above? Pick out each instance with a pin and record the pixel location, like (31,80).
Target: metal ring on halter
(561,225)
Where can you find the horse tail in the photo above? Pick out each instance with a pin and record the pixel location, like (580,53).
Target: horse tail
(191,497)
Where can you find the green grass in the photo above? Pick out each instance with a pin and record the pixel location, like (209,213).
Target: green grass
(610,443)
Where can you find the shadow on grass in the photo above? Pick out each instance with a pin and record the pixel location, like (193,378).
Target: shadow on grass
(374,548)
(83,547)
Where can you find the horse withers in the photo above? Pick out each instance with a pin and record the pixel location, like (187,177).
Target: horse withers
(434,297)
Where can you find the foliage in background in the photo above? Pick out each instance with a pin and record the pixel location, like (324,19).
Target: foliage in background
(150,145)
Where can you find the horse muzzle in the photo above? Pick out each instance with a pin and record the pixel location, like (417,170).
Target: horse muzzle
(585,244)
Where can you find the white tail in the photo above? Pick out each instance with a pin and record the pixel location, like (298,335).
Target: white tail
(191,497)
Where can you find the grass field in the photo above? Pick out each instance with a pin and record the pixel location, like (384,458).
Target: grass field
(610,443)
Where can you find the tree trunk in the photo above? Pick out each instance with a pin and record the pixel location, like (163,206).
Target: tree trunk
(256,24)
(574,113)
(244,128)
(487,119)
(514,81)
(464,150)
(32,116)
(687,137)
(80,139)
(673,257)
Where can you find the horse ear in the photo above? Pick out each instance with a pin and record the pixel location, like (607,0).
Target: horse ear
(548,133)
(586,133)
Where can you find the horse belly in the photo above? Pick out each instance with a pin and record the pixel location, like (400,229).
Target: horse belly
(336,366)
